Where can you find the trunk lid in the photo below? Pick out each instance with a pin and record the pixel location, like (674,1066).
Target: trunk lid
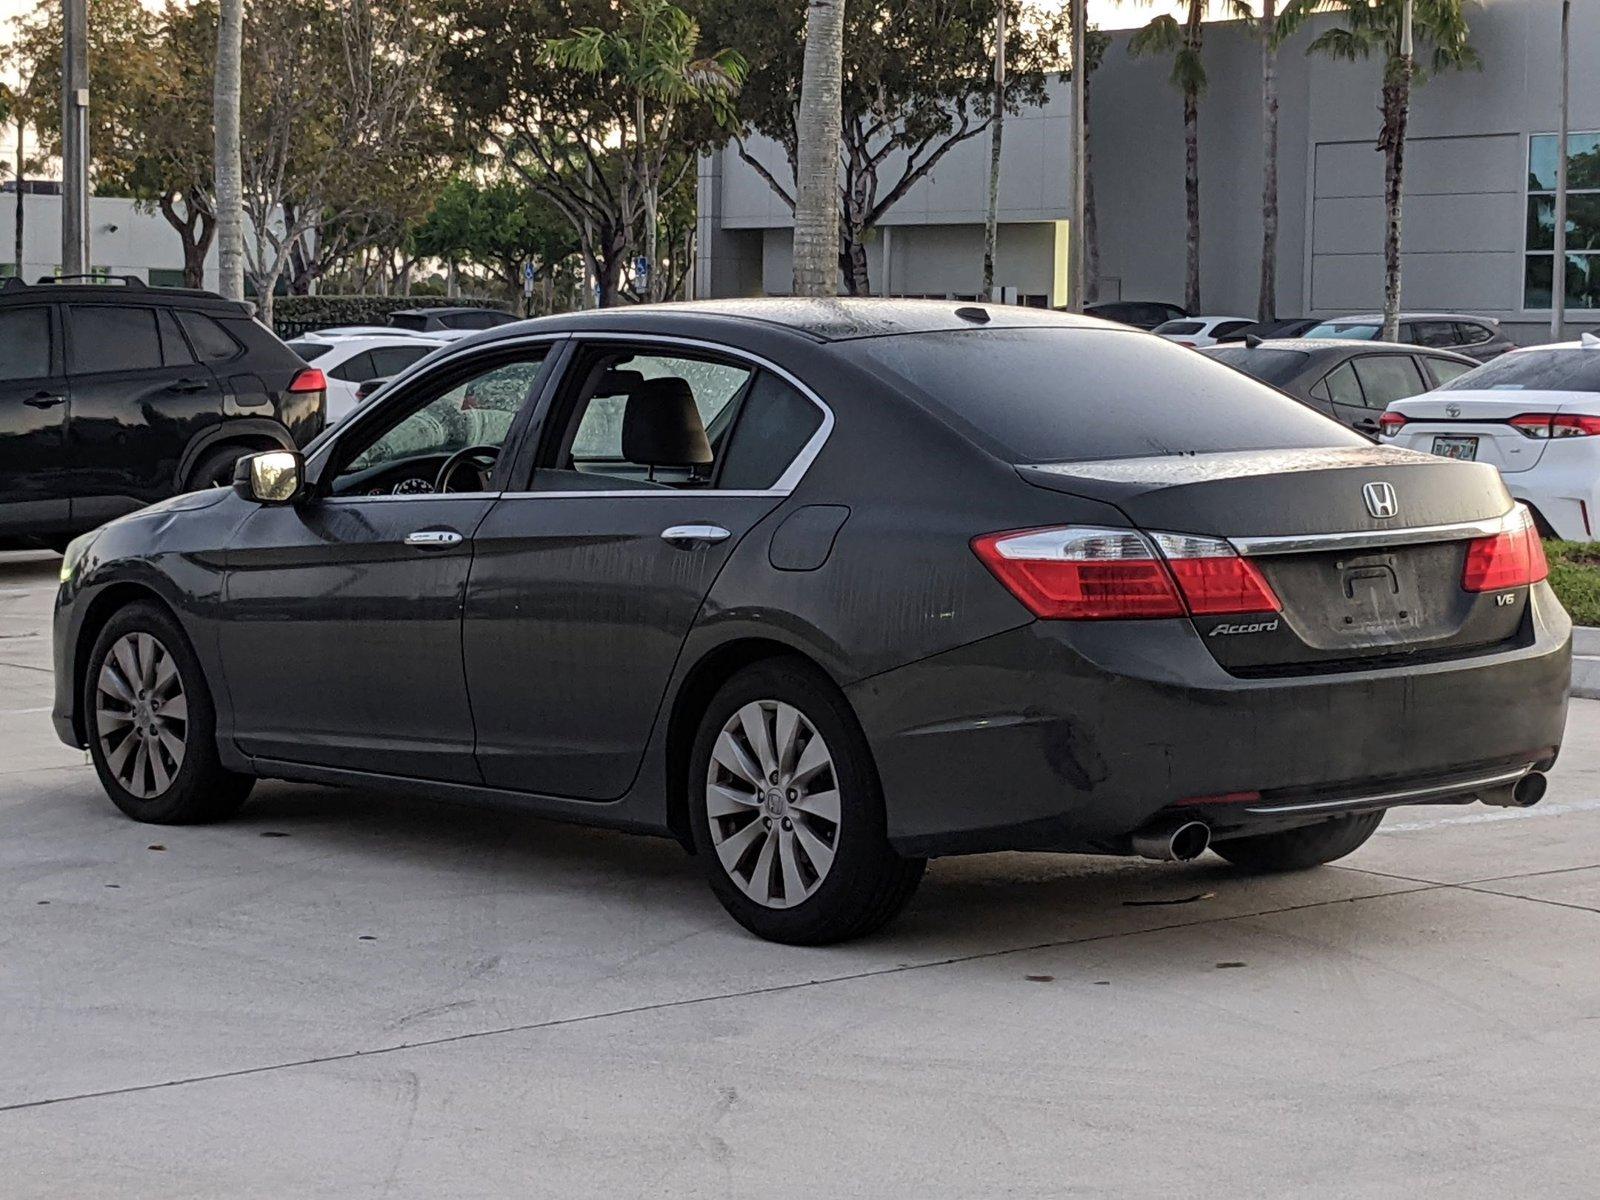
(1356,588)
(1477,421)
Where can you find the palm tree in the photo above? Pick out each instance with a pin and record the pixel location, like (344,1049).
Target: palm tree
(1165,35)
(651,53)
(229,166)
(1439,27)
(818,135)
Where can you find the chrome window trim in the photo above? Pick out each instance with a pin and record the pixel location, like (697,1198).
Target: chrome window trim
(1367,538)
(648,494)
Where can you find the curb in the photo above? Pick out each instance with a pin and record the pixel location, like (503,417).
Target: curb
(1586,662)
(1586,641)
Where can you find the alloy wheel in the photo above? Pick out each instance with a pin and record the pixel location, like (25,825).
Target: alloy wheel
(141,714)
(772,802)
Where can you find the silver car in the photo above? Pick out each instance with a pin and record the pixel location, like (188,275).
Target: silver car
(1476,337)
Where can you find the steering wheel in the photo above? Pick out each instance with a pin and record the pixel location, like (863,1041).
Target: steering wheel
(482,459)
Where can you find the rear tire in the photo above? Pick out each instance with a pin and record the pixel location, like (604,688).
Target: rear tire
(818,872)
(1298,849)
(151,724)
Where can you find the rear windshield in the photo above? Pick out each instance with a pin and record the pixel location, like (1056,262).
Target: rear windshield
(1269,366)
(310,351)
(1071,395)
(1343,329)
(1575,370)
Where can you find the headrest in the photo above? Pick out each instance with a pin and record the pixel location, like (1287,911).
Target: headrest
(617,382)
(661,427)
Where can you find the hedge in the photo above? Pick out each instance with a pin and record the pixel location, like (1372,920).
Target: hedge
(292,315)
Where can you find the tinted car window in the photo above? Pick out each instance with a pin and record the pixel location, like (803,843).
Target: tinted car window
(1227,327)
(174,350)
(775,422)
(1434,333)
(355,369)
(24,343)
(1386,378)
(1470,334)
(391,360)
(310,351)
(1180,327)
(1341,386)
(211,341)
(1062,395)
(1270,366)
(1575,370)
(1446,369)
(111,338)
(1343,329)
(408,320)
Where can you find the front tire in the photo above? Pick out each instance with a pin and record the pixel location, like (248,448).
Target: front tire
(151,723)
(216,468)
(787,812)
(1301,848)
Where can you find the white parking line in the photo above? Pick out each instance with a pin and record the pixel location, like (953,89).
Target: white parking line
(1499,814)
(22,712)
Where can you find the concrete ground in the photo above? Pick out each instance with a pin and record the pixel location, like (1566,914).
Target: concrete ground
(347,995)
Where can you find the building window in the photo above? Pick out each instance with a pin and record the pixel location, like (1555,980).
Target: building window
(1583,221)
(166,277)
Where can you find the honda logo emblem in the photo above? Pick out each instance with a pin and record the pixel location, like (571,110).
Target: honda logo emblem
(1380,500)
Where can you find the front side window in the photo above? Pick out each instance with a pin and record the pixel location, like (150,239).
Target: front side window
(1434,333)
(112,338)
(24,343)
(1386,378)
(476,411)
(1582,268)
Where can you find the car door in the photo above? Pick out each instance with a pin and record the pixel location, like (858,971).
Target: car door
(585,585)
(138,398)
(342,640)
(33,421)
(1385,378)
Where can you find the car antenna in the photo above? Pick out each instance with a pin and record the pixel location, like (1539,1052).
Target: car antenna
(1253,340)
(971,312)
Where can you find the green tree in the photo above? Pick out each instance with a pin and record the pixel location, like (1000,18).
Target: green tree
(1376,27)
(1183,41)
(651,56)
(501,226)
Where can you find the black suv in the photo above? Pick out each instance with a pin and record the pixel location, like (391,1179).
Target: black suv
(112,397)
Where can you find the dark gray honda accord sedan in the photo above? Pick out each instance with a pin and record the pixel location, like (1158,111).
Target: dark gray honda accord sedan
(825,589)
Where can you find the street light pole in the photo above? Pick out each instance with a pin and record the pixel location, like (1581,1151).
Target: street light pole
(75,138)
(1558,262)
(1080,147)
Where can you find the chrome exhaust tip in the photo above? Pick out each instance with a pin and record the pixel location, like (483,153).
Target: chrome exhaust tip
(1525,793)
(1173,841)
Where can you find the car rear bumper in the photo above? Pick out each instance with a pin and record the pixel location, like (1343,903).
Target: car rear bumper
(1068,735)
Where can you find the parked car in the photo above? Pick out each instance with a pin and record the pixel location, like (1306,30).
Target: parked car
(113,395)
(458,321)
(1281,327)
(1141,314)
(368,387)
(823,589)
(349,361)
(1534,414)
(1200,331)
(1478,338)
(1352,382)
(371,331)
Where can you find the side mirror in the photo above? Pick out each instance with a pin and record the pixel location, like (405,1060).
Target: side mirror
(273,477)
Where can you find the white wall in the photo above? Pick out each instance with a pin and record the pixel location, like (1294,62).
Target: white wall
(140,241)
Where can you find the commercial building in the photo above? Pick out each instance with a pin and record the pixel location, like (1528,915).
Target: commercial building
(124,238)
(1478,212)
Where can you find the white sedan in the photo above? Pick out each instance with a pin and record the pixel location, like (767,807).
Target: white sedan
(1201,331)
(1534,414)
(348,361)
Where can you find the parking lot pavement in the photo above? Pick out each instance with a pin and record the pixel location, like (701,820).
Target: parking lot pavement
(342,994)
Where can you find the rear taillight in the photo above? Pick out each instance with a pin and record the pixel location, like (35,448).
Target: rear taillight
(1511,558)
(311,379)
(1389,423)
(1086,574)
(1555,425)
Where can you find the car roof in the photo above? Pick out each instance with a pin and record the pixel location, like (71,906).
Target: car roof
(818,320)
(129,290)
(1328,345)
(1377,318)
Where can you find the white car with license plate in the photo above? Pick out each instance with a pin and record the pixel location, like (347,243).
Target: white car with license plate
(1532,413)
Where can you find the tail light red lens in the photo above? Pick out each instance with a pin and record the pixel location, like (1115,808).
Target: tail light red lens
(311,379)
(1556,425)
(1510,559)
(1389,423)
(1087,574)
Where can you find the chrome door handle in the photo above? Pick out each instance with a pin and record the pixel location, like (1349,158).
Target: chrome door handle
(43,400)
(694,533)
(432,539)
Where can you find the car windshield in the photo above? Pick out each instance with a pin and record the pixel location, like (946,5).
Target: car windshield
(1343,329)
(1269,366)
(1065,395)
(1180,327)
(1576,370)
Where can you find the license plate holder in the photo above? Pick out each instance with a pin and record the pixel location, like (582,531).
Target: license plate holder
(1462,449)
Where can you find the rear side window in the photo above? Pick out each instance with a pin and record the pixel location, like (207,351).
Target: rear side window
(355,369)
(775,422)
(1470,334)
(24,343)
(1270,366)
(174,350)
(1341,386)
(391,360)
(1576,370)
(310,351)
(1227,327)
(1435,333)
(211,341)
(1065,395)
(110,338)
(1386,378)
(1180,327)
